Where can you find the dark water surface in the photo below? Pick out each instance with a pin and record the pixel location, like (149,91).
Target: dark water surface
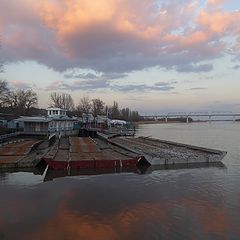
(197,203)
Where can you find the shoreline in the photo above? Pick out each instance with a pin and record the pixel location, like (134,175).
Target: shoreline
(170,122)
(156,122)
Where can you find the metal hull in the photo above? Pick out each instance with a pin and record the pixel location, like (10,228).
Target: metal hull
(92,164)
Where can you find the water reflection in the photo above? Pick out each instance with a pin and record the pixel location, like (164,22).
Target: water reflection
(33,176)
(52,174)
(120,206)
(184,202)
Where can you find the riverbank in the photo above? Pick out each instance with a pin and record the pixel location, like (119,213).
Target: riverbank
(156,122)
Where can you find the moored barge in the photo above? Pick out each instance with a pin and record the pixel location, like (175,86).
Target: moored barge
(89,153)
(21,153)
(163,152)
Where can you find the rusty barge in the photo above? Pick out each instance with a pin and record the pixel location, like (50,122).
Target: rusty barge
(89,153)
(22,153)
(161,152)
(105,151)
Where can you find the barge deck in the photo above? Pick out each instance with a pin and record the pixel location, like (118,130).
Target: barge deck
(160,152)
(21,153)
(103,152)
(88,153)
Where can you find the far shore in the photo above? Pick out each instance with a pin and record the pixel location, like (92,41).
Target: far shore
(156,122)
(169,122)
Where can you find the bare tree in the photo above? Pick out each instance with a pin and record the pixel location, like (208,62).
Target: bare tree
(62,100)
(9,99)
(30,99)
(125,114)
(114,110)
(55,100)
(21,100)
(97,107)
(1,65)
(84,105)
(4,91)
(3,87)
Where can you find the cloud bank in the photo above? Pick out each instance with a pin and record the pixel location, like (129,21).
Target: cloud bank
(119,36)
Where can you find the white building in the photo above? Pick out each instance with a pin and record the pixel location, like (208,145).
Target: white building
(55,121)
(56,112)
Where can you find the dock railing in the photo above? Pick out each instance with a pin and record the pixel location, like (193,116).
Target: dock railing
(5,136)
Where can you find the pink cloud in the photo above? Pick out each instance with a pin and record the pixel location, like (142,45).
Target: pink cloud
(116,35)
(219,22)
(17,84)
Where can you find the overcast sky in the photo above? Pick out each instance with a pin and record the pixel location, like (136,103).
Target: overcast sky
(150,55)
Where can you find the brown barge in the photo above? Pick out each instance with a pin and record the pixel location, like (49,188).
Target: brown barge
(103,152)
(20,153)
(88,153)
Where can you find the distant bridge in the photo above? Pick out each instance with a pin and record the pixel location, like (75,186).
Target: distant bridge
(188,115)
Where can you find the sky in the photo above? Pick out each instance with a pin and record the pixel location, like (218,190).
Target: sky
(154,56)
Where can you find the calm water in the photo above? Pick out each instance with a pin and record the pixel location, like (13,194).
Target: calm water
(200,203)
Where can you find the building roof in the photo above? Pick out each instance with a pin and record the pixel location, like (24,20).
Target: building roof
(35,119)
(117,121)
(45,119)
(54,108)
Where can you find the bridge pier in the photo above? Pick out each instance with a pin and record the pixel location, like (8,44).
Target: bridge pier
(166,119)
(210,119)
(187,120)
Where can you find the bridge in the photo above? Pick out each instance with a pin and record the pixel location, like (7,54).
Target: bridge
(188,115)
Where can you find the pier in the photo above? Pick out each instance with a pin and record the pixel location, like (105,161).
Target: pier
(104,151)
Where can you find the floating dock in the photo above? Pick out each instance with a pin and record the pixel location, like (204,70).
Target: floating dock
(162,152)
(21,153)
(89,153)
(102,152)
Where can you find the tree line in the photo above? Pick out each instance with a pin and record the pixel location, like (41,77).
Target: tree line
(93,106)
(24,102)
(19,102)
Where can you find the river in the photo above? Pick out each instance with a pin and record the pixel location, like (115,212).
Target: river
(196,203)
